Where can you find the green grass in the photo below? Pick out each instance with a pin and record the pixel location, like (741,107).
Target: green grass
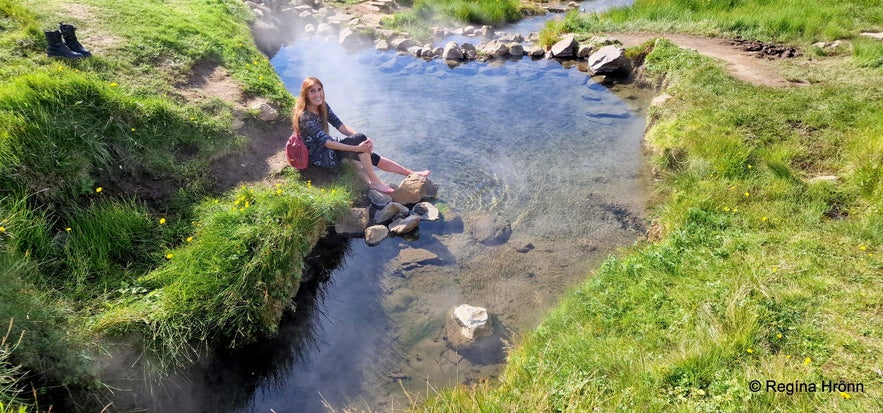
(84,258)
(424,14)
(756,273)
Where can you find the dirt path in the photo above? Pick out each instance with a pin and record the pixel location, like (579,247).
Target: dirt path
(750,67)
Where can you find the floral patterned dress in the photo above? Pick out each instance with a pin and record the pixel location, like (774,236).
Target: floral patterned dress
(315,137)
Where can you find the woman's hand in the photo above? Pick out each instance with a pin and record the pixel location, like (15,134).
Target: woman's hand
(366,146)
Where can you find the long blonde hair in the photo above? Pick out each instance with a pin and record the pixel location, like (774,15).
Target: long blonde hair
(301,105)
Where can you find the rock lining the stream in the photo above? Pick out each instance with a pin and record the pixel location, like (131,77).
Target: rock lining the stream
(278,21)
(397,213)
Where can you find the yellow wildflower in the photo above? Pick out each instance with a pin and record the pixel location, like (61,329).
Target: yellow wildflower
(189,239)
(133,129)
(113,84)
(749,166)
(845,395)
(779,335)
(2,229)
(99,189)
(278,191)
(763,219)
(806,361)
(750,350)
(747,194)
(169,256)
(862,247)
(162,221)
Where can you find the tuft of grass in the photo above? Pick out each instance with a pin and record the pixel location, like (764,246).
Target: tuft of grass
(228,281)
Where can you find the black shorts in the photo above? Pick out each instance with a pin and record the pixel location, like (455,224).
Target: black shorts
(355,140)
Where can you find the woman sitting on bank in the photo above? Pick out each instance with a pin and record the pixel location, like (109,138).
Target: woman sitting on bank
(311,118)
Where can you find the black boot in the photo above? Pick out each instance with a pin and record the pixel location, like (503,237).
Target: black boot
(68,32)
(56,48)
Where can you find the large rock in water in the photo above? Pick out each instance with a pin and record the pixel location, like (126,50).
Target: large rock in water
(352,222)
(474,322)
(452,51)
(412,189)
(566,48)
(610,60)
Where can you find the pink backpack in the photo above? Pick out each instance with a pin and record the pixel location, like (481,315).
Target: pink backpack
(296,150)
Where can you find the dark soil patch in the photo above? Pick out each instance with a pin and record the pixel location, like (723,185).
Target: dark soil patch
(766,50)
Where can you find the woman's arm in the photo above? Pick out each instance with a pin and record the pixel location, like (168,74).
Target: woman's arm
(346,130)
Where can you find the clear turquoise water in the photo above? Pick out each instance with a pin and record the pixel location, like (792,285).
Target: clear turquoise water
(542,147)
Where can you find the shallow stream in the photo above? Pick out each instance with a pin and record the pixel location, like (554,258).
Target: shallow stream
(532,143)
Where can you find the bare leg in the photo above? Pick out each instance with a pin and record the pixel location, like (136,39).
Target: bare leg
(374,181)
(390,166)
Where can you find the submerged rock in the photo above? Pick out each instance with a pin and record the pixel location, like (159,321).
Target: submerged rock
(474,322)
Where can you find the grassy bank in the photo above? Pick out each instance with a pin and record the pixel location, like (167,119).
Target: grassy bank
(756,270)
(109,229)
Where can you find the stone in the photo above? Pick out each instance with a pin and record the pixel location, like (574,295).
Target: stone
(352,222)
(267,113)
(426,211)
(516,49)
(402,43)
(495,48)
(389,212)
(536,51)
(378,199)
(413,258)
(404,225)
(412,189)
(452,52)
(584,51)
(487,31)
(350,40)
(375,234)
(474,322)
(324,29)
(565,48)
(610,60)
